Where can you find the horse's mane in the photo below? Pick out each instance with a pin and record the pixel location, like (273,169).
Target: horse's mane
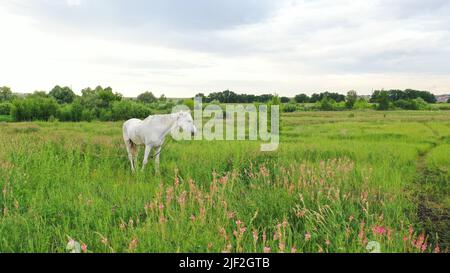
(163,116)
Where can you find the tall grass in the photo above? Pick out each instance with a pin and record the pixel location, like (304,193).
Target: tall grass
(336,183)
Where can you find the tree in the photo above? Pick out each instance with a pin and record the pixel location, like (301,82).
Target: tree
(327,104)
(5,108)
(99,97)
(39,94)
(146,97)
(62,94)
(351,98)
(6,94)
(448,101)
(408,94)
(383,100)
(34,108)
(285,99)
(301,98)
(275,100)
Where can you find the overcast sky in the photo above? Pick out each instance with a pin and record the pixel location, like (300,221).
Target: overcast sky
(180,47)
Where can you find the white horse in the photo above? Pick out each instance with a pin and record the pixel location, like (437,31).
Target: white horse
(151,132)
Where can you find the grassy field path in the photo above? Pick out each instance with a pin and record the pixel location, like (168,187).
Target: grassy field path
(432,210)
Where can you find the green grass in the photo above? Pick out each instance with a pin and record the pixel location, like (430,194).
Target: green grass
(338,181)
(5,118)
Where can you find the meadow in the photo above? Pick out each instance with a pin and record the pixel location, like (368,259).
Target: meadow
(338,181)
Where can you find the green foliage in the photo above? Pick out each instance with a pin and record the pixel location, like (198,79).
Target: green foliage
(64,113)
(5,108)
(414,104)
(38,94)
(275,100)
(408,94)
(98,98)
(5,118)
(331,95)
(383,100)
(87,115)
(285,99)
(361,104)
(105,115)
(6,94)
(189,103)
(146,97)
(351,98)
(301,98)
(333,184)
(289,107)
(126,109)
(34,108)
(327,104)
(62,94)
(228,96)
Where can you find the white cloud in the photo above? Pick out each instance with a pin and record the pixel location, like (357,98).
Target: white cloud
(303,46)
(72,3)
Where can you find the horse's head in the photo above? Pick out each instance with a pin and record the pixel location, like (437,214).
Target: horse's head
(185,121)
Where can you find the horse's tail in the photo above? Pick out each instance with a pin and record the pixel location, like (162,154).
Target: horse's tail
(132,144)
(125,136)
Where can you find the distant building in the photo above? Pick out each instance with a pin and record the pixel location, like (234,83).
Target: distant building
(442,98)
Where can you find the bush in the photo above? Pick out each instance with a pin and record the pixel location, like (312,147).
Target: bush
(126,109)
(146,97)
(105,115)
(65,113)
(326,104)
(77,110)
(87,115)
(5,108)
(361,104)
(189,103)
(301,98)
(289,108)
(35,108)
(414,104)
(285,99)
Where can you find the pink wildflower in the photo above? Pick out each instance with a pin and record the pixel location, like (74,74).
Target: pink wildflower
(307,236)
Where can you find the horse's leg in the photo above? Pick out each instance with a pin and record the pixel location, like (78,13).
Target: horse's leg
(148,148)
(158,150)
(135,152)
(130,149)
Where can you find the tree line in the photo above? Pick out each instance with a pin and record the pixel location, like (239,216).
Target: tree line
(106,105)
(63,104)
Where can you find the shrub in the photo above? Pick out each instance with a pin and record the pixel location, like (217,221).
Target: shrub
(285,99)
(65,113)
(34,108)
(289,108)
(189,103)
(361,104)
(126,109)
(414,104)
(326,104)
(105,115)
(146,97)
(5,108)
(87,115)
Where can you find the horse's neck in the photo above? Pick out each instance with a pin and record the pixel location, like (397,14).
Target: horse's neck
(172,122)
(169,122)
